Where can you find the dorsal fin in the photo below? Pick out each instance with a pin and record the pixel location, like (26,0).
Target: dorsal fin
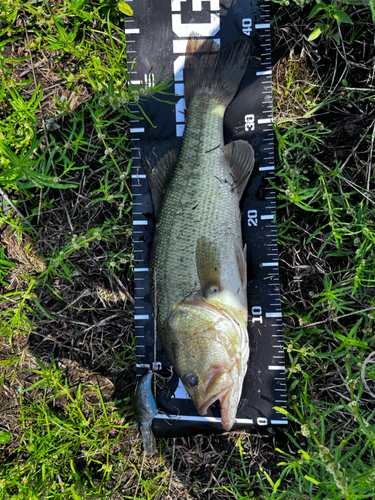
(208,266)
(159,173)
(240,156)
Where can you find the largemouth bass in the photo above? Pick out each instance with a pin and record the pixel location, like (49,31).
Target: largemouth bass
(198,260)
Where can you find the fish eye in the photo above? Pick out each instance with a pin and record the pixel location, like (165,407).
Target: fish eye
(191,380)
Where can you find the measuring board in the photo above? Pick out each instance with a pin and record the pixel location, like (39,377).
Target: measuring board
(157,38)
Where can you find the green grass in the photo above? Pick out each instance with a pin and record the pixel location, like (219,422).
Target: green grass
(66,266)
(58,456)
(35,163)
(334,450)
(62,445)
(326,220)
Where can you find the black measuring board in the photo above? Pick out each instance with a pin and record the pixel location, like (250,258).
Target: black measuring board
(157,38)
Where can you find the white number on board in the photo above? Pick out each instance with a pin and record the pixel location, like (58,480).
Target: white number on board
(246,26)
(249,122)
(252,218)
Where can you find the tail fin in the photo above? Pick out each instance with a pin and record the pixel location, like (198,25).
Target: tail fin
(148,438)
(210,69)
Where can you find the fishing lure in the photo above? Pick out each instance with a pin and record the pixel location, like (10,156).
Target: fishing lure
(144,407)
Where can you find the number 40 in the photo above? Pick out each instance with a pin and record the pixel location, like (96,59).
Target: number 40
(246,26)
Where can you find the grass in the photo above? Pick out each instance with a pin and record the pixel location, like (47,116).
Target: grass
(67,346)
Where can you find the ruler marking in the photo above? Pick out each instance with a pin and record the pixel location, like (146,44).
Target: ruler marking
(194,418)
(262,121)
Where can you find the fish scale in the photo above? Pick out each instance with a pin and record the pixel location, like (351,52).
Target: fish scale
(203,180)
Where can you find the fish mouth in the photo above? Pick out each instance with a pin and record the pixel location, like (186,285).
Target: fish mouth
(228,409)
(219,387)
(202,409)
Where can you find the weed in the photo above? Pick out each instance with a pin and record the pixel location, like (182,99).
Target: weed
(65,153)
(328,14)
(67,443)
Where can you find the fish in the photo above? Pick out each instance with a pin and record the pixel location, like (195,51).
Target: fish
(144,407)
(198,260)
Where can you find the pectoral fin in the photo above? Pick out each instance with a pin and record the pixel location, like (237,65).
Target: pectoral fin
(240,156)
(242,263)
(208,266)
(159,172)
